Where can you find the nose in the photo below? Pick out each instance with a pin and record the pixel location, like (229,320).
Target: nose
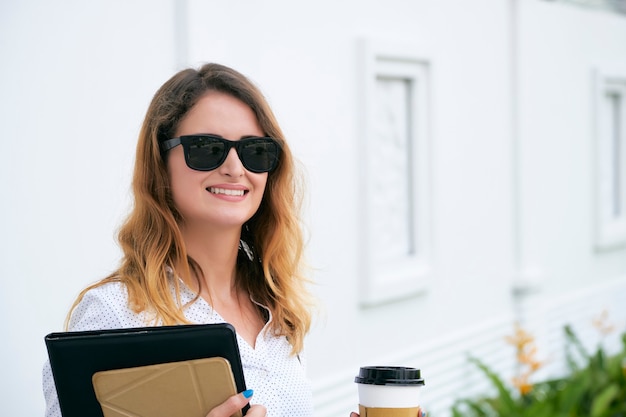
(232,166)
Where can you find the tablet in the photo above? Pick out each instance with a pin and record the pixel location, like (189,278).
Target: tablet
(76,356)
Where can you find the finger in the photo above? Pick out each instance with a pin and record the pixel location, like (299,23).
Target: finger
(256,410)
(353,414)
(231,405)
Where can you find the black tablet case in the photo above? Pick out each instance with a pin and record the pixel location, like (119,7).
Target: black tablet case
(76,356)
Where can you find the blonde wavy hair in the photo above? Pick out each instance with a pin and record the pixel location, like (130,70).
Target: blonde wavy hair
(150,237)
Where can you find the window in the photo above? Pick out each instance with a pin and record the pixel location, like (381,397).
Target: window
(395,173)
(610,160)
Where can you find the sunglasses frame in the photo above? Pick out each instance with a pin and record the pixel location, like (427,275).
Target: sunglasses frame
(186,142)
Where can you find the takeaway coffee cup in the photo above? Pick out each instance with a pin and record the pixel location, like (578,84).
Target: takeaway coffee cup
(389,391)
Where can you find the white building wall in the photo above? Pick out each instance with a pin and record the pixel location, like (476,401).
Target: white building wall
(568,278)
(557,139)
(510,178)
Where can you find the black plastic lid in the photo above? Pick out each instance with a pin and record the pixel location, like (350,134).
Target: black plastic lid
(389,375)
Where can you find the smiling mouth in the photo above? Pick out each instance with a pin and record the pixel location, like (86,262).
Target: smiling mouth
(224,191)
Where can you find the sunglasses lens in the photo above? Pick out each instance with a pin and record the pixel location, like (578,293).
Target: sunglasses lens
(205,153)
(259,155)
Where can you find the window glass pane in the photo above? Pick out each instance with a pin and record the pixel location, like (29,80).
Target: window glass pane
(390,171)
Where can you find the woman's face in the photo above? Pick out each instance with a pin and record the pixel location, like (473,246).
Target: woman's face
(229,195)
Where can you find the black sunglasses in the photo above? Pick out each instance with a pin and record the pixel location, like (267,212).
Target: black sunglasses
(207,152)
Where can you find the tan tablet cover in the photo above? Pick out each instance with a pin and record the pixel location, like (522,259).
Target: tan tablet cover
(188,388)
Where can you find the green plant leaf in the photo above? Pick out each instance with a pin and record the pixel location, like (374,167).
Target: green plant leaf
(573,339)
(473,408)
(572,365)
(541,408)
(601,403)
(615,367)
(572,395)
(480,409)
(505,405)
(457,413)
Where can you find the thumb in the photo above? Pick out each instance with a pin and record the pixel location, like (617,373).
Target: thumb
(231,405)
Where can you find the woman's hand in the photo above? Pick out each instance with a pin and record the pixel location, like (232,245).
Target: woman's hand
(235,403)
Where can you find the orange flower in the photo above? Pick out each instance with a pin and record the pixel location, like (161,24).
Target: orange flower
(526,352)
(602,324)
(520,339)
(522,384)
(535,365)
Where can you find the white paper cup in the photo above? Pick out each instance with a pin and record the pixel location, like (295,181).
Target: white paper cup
(389,391)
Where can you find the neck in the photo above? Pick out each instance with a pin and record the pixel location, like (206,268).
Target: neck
(215,251)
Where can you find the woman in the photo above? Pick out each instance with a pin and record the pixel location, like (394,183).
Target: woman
(213,236)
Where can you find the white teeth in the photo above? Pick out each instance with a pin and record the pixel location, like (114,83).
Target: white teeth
(226,191)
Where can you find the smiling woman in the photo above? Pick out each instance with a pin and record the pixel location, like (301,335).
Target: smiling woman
(213,237)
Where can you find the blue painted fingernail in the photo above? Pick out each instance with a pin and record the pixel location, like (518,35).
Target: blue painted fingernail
(248,393)
(423,413)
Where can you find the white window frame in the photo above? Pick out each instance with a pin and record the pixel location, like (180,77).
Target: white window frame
(610,159)
(385,280)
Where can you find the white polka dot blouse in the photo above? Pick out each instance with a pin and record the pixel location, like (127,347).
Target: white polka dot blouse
(277,377)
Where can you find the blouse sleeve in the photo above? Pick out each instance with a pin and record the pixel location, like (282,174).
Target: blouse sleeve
(104,307)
